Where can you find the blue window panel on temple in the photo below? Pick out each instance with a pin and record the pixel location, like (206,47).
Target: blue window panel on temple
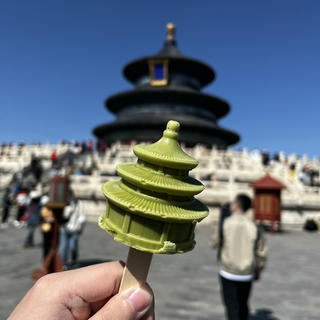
(158,71)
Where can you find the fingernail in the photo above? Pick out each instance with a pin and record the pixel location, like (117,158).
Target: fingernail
(140,300)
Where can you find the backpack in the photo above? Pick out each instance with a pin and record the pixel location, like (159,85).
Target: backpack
(310,225)
(224,213)
(76,217)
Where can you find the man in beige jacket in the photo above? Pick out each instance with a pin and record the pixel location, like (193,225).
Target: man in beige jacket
(242,256)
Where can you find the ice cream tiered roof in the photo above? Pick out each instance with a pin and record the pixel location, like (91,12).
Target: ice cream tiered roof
(157,188)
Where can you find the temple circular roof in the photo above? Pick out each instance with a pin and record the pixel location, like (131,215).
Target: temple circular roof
(137,127)
(169,94)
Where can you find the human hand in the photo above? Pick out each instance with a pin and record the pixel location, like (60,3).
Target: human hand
(85,293)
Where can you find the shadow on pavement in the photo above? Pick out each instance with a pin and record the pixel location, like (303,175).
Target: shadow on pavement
(263,314)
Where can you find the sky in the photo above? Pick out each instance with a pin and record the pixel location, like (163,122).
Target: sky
(59,61)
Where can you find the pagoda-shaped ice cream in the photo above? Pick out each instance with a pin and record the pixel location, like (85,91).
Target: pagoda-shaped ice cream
(152,208)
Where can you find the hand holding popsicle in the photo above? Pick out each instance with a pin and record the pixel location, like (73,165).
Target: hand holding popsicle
(152,208)
(85,293)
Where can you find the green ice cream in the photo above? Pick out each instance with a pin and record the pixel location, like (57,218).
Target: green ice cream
(152,207)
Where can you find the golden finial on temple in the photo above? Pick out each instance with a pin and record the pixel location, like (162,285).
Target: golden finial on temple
(171,30)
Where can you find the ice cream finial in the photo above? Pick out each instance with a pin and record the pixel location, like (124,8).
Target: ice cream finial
(172,130)
(171,30)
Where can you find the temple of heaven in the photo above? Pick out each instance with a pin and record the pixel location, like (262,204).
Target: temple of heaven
(167,87)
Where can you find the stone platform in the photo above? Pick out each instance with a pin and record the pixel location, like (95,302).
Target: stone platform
(186,286)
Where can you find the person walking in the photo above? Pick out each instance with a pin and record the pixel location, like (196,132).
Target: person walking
(32,218)
(6,204)
(46,225)
(71,230)
(242,256)
(22,201)
(54,157)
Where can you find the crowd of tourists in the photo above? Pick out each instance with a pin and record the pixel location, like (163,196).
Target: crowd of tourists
(65,154)
(306,173)
(11,150)
(25,205)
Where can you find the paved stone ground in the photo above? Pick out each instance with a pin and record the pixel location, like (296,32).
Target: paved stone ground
(186,286)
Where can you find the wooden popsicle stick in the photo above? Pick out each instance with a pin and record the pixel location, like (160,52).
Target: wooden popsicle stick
(136,270)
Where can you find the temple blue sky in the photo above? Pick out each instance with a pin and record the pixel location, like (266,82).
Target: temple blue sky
(60,59)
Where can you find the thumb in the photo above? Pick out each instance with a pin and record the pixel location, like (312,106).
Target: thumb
(132,304)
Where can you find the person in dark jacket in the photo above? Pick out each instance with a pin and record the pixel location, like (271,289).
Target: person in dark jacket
(32,217)
(6,204)
(47,220)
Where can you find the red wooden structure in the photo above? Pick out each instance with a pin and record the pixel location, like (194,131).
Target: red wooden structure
(267,200)
(59,192)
